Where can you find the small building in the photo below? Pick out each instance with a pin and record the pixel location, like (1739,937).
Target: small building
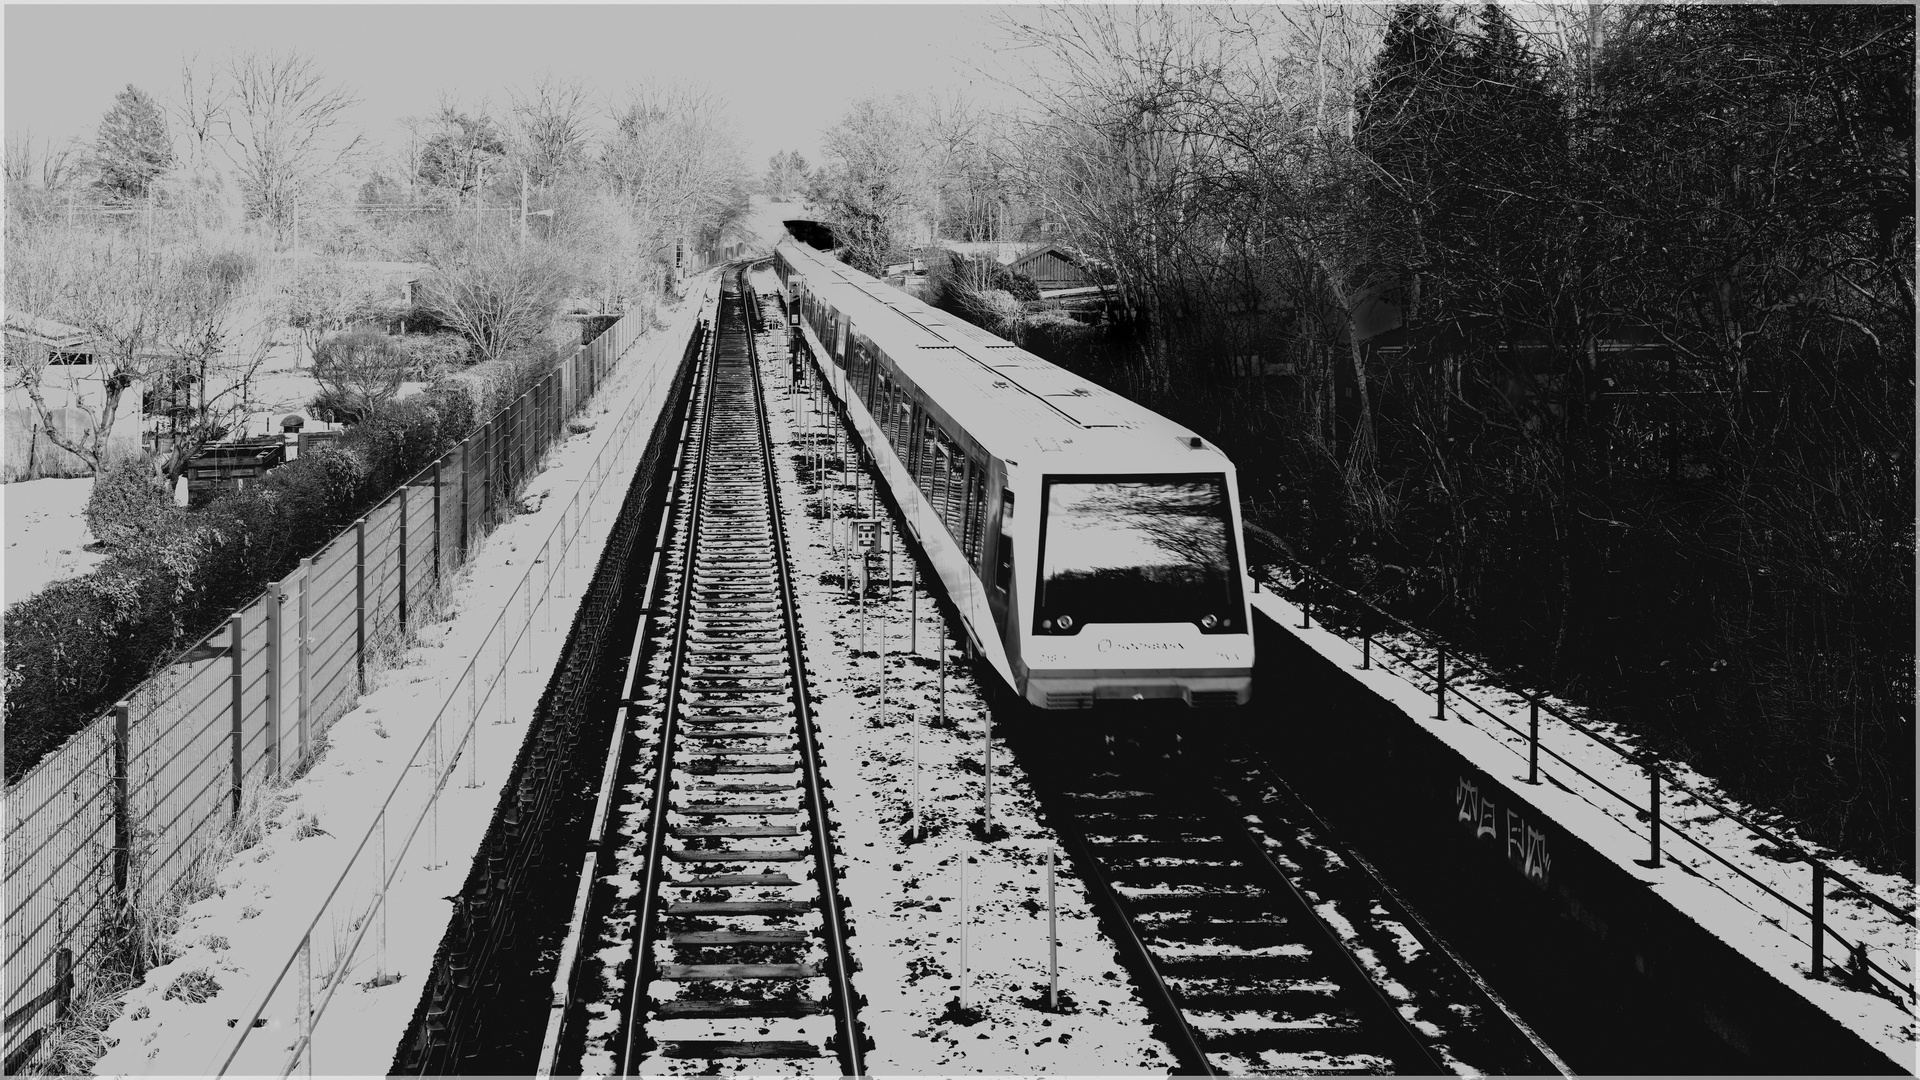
(233,465)
(1053,268)
(73,388)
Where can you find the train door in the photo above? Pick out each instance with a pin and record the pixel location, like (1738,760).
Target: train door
(998,556)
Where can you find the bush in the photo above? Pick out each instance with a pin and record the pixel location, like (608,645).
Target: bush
(127,500)
(436,354)
(408,435)
(63,660)
(359,372)
(79,645)
(1054,332)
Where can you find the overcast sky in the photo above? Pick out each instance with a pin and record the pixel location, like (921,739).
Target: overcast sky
(788,70)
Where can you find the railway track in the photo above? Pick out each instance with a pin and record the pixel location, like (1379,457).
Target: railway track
(1265,947)
(734,929)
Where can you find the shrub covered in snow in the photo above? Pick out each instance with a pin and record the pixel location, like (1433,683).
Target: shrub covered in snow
(79,645)
(127,500)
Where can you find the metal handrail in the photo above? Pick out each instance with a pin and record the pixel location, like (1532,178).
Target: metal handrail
(599,471)
(1320,582)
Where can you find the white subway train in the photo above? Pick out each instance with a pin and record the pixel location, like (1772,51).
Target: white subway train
(1092,546)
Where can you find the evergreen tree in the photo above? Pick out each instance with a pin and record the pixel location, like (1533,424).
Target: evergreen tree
(132,146)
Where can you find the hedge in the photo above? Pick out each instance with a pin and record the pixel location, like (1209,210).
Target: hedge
(79,645)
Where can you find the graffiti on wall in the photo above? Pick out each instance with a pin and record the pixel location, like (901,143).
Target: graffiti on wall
(1524,845)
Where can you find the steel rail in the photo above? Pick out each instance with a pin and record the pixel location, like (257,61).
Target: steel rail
(1413,1049)
(833,913)
(632,1037)
(567,971)
(1425,933)
(1184,1043)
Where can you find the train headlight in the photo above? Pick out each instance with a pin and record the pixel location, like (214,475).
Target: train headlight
(1208,622)
(1065,622)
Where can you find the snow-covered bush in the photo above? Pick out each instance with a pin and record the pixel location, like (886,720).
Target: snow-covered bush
(127,500)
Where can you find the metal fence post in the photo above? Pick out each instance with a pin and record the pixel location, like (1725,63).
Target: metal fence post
(1819,908)
(1653,814)
(1533,741)
(305,1041)
(491,516)
(403,560)
(1053,941)
(63,982)
(304,718)
(1440,687)
(122,816)
(276,619)
(466,466)
(360,601)
(238,735)
(436,520)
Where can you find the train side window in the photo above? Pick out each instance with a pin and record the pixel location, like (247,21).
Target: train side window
(956,500)
(930,467)
(903,427)
(1003,574)
(916,443)
(976,509)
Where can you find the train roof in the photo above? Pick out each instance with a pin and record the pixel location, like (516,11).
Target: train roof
(1016,405)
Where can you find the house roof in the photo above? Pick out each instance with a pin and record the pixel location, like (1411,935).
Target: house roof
(1004,252)
(1063,254)
(48,332)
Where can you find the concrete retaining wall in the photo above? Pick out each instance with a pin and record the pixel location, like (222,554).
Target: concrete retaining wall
(1519,877)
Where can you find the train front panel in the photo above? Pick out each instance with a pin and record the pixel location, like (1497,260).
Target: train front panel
(1134,590)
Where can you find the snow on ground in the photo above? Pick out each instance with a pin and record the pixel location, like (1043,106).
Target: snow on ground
(241,937)
(904,897)
(46,534)
(1757,925)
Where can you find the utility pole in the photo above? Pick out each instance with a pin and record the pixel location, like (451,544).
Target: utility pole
(523,206)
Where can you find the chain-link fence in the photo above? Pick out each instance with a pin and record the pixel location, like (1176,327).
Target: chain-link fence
(132,804)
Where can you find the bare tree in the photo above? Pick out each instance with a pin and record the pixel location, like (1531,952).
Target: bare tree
(120,297)
(360,371)
(214,341)
(552,125)
(786,172)
(498,293)
(52,167)
(199,111)
(875,184)
(458,153)
(286,129)
(324,295)
(673,161)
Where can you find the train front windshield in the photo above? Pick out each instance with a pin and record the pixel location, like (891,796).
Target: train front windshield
(1131,551)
